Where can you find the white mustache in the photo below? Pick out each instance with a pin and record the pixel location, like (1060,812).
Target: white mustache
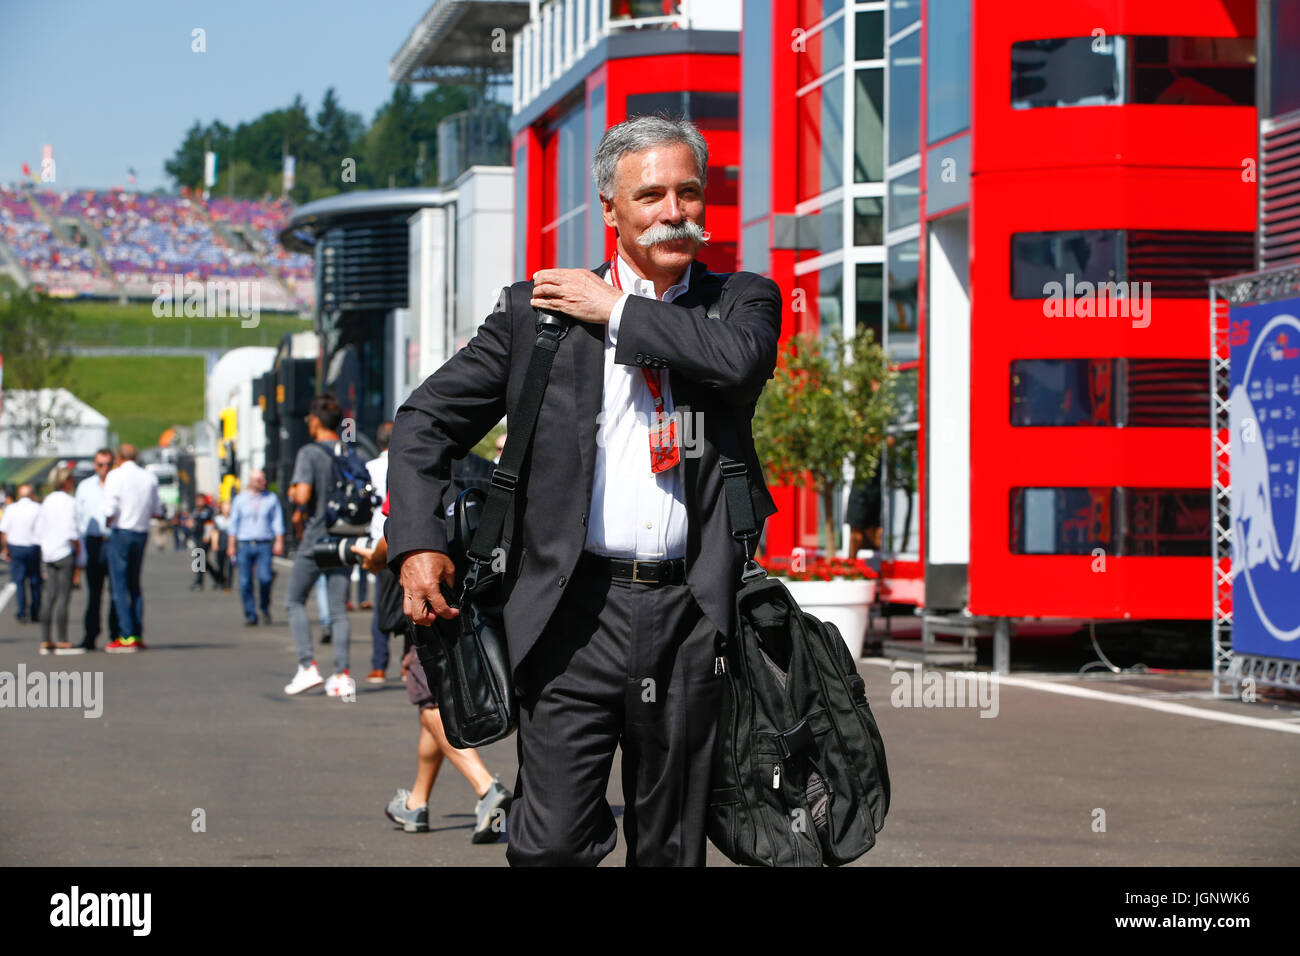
(662,232)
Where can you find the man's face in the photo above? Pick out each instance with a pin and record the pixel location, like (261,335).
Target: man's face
(313,425)
(102,464)
(657,186)
(257,481)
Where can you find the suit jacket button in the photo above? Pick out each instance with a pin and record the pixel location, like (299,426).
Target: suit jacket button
(562,580)
(639,358)
(584,520)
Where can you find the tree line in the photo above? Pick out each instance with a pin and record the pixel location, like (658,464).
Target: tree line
(399,148)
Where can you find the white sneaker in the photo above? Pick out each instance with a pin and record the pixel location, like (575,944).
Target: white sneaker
(341,685)
(304,680)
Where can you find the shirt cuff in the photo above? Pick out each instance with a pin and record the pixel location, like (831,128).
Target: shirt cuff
(615,317)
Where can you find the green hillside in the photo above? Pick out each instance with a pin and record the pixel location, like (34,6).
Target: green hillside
(141,395)
(100,324)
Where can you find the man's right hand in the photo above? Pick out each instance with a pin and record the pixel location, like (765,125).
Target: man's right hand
(422,598)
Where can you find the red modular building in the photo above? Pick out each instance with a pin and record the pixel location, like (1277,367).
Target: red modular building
(962,176)
(1015,159)
(583,65)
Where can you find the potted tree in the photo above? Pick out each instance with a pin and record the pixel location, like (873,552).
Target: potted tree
(826,407)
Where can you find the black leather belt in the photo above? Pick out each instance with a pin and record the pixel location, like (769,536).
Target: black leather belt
(672,571)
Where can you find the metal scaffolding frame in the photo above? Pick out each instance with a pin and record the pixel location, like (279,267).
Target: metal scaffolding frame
(1229,669)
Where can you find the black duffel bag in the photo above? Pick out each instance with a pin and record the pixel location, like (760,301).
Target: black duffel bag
(799,773)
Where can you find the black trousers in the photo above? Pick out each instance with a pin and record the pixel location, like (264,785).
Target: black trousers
(618,664)
(96,578)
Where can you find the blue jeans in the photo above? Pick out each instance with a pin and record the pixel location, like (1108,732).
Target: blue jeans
(25,566)
(250,555)
(125,558)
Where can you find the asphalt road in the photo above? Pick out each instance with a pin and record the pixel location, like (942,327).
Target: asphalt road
(199,722)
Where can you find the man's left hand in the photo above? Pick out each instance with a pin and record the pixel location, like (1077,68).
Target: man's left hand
(578,293)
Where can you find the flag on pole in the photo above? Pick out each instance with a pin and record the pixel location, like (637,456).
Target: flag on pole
(130,175)
(209,169)
(290,164)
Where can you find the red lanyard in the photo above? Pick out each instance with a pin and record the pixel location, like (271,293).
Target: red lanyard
(664,453)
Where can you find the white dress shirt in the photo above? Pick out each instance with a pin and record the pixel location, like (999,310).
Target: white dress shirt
(635,513)
(19,523)
(56,526)
(131,497)
(91,520)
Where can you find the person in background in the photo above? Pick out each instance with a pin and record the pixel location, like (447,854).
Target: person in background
(130,500)
(378,468)
(501,447)
(256,533)
(19,546)
(200,522)
(179,522)
(218,541)
(92,526)
(56,533)
(312,483)
(409,809)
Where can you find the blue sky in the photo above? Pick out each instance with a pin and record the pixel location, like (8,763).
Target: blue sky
(114,83)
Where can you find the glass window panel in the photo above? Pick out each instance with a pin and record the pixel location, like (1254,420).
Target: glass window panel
(948,75)
(1073,71)
(902,504)
(832,146)
(571,167)
(756,129)
(521,211)
(813,12)
(869,35)
(1058,392)
(830,299)
(904,200)
(757,253)
(904,97)
(868,222)
(1194,71)
(595,221)
(1166,522)
(900,336)
(869,127)
(1062,520)
(870,299)
(1283,41)
(1039,258)
(903,13)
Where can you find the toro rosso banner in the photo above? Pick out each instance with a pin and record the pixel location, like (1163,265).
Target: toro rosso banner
(1265,472)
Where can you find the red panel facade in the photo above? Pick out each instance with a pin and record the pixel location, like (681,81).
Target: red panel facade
(1093,167)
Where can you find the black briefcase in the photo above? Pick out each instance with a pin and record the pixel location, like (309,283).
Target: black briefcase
(467,658)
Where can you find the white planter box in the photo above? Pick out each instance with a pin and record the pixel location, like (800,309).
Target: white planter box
(843,602)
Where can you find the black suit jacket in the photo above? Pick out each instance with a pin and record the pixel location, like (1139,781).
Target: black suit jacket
(717,369)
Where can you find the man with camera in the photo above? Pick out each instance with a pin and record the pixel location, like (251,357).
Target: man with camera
(310,488)
(621,569)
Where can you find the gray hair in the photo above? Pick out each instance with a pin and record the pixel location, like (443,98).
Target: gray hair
(641,133)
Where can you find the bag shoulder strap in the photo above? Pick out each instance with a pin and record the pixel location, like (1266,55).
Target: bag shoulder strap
(551,329)
(735,474)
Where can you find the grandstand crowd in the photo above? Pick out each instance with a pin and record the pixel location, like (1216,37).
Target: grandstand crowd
(145,238)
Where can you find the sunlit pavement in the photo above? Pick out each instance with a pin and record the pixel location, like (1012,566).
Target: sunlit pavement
(197,729)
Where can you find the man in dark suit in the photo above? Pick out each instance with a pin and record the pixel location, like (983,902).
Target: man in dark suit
(621,568)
